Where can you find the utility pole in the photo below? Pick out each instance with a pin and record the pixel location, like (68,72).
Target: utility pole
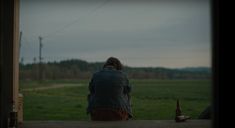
(21,58)
(40,59)
(35,69)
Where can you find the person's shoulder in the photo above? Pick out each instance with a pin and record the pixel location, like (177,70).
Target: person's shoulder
(124,74)
(97,72)
(112,71)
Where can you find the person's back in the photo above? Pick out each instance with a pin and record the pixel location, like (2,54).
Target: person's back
(109,93)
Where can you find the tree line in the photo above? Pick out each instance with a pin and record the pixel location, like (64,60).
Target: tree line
(80,69)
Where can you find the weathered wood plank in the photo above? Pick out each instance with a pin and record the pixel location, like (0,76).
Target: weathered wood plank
(119,124)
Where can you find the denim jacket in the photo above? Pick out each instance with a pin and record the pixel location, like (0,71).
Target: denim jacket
(109,88)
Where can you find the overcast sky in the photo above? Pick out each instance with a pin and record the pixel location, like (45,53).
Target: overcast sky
(150,33)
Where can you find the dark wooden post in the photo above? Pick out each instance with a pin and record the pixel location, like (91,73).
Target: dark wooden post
(8,58)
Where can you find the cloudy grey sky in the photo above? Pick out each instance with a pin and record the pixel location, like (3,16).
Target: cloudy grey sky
(149,33)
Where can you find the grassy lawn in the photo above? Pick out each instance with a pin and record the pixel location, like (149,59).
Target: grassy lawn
(151,99)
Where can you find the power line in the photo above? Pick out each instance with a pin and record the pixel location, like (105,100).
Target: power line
(57,31)
(75,21)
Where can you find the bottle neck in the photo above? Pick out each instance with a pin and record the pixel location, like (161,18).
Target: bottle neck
(178,110)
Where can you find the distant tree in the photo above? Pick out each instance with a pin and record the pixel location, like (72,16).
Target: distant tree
(80,69)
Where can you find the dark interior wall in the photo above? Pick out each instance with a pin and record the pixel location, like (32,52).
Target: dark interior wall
(216,66)
(6,59)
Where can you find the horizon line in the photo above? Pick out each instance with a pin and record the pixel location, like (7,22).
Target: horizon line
(58,61)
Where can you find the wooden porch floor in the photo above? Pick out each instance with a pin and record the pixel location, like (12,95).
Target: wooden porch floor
(119,124)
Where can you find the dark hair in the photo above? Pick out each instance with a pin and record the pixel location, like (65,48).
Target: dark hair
(112,61)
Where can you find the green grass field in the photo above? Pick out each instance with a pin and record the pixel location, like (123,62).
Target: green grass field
(151,99)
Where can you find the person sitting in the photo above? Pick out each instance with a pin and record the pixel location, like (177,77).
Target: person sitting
(109,98)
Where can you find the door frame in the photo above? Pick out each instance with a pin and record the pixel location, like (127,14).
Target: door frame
(9,63)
